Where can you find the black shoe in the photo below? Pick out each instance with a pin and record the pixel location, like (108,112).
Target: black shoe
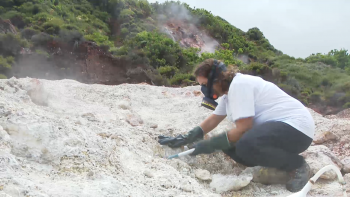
(299,178)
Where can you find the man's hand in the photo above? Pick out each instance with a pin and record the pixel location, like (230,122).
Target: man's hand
(203,147)
(224,140)
(219,142)
(193,135)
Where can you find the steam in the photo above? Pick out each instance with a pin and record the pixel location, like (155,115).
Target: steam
(177,12)
(244,58)
(169,33)
(210,44)
(47,63)
(180,25)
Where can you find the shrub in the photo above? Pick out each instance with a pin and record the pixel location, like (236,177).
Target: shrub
(2,76)
(168,71)
(316,97)
(27,33)
(99,39)
(346,105)
(179,78)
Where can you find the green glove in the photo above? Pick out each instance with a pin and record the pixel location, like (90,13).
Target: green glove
(181,140)
(219,142)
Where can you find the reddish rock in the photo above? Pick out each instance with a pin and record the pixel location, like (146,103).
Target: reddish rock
(324,137)
(197,93)
(7,27)
(86,62)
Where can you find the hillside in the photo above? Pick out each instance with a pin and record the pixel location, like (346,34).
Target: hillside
(132,41)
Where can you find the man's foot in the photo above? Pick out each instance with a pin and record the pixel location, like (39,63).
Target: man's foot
(299,178)
(268,176)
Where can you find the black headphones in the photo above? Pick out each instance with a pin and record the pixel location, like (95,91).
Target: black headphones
(207,90)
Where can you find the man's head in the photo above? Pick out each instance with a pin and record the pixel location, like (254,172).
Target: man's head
(215,80)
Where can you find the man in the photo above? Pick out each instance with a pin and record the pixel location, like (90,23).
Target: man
(272,128)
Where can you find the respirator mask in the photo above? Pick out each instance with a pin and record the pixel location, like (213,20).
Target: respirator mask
(209,95)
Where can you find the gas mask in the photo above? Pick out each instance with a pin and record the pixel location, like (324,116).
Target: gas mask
(209,94)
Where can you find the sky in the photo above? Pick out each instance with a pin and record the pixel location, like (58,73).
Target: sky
(296,27)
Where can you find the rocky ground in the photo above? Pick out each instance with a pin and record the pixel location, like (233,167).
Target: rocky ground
(65,138)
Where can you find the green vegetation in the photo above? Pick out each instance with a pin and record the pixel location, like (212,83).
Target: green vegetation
(129,29)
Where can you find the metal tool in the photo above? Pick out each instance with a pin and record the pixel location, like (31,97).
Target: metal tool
(181,154)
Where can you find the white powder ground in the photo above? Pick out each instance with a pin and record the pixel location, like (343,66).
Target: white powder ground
(73,139)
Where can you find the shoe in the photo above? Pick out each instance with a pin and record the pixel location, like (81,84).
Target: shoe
(299,178)
(268,176)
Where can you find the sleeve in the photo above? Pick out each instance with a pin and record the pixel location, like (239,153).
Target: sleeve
(241,101)
(220,109)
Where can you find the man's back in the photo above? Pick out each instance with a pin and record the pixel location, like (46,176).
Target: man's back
(273,104)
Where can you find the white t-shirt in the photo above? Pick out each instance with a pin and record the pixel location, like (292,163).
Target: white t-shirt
(253,96)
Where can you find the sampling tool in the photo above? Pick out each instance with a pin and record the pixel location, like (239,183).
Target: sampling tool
(307,187)
(181,154)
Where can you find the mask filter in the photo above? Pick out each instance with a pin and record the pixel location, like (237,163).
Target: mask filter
(209,103)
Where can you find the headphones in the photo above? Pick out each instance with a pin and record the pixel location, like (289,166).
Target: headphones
(207,90)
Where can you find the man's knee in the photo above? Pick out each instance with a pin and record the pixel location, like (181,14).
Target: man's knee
(246,149)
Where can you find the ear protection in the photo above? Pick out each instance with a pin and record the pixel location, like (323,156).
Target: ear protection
(209,99)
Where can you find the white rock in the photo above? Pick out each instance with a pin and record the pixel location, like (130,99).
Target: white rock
(203,174)
(223,183)
(186,188)
(318,157)
(148,173)
(346,163)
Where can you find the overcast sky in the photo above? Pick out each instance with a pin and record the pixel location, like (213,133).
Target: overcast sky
(296,27)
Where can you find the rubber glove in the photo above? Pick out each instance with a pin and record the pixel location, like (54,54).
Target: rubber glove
(181,140)
(219,142)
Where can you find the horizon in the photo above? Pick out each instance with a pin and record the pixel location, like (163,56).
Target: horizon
(296,32)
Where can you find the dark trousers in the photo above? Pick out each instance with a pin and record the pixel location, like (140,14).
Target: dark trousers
(272,144)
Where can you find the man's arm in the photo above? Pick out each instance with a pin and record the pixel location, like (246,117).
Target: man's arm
(242,125)
(211,122)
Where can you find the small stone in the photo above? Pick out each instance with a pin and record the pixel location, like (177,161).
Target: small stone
(105,135)
(90,117)
(134,120)
(186,188)
(123,106)
(188,94)
(114,136)
(197,93)
(148,173)
(90,174)
(346,164)
(324,137)
(203,174)
(153,126)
